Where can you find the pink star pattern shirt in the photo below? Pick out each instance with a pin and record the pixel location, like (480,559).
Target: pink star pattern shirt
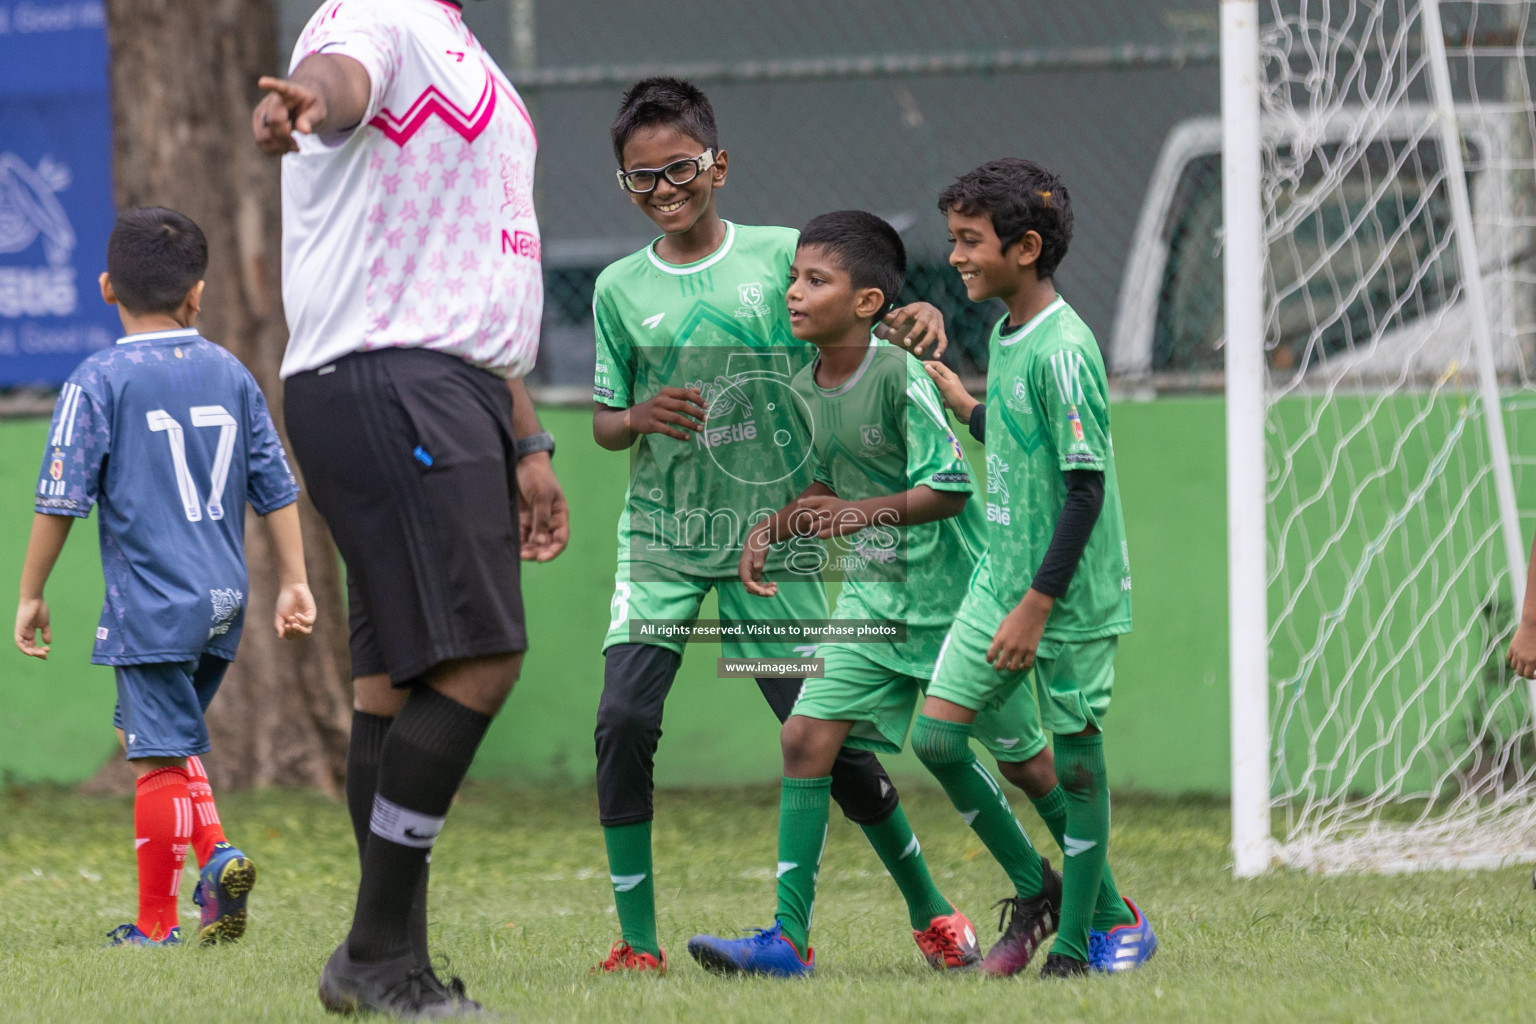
(416,228)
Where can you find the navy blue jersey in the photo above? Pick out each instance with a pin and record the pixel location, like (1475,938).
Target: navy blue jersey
(170,436)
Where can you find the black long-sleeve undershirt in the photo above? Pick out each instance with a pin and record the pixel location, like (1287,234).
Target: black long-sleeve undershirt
(1079,514)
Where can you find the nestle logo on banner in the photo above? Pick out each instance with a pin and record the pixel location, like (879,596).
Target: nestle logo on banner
(29,212)
(520,243)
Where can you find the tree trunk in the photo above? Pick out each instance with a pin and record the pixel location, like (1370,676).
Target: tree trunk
(183,84)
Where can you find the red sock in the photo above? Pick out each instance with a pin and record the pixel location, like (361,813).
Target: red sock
(162,826)
(206,830)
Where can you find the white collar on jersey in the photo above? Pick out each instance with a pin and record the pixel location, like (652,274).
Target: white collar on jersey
(869,357)
(693,268)
(183,332)
(1019,334)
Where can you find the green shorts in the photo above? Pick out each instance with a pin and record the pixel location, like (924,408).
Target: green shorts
(680,600)
(879,701)
(1074,683)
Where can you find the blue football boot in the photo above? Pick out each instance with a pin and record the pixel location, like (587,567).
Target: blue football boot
(1124,947)
(766,952)
(222,888)
(129,935)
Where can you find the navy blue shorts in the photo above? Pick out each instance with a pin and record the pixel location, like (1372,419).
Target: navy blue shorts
(160,707)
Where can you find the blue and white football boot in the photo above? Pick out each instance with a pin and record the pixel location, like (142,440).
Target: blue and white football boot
(1124,947)
(766,952)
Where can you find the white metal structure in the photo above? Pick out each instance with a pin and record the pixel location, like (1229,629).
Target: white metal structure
(1247,602)
(1377,191)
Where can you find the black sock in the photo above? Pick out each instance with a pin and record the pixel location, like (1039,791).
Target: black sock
(363,753)
(423,761)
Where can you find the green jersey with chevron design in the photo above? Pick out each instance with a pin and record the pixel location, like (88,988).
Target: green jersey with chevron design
(883,432)
(1047,415)
(719,325)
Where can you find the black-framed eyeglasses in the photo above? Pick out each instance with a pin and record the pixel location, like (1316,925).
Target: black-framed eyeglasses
(678,172)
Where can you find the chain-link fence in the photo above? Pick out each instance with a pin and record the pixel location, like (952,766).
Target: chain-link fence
(872,104)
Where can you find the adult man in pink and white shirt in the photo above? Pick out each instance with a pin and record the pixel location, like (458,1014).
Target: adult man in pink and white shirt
(413,292)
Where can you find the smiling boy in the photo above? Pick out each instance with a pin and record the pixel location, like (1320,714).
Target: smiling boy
(892,478)
(694,361)
(1053,592)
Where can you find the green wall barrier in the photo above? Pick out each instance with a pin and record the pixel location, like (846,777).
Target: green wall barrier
(1166,733)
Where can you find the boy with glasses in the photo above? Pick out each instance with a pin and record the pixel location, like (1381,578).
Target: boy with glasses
(694,362)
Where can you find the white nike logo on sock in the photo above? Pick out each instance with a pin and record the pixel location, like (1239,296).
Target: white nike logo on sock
(786,865)
(1077,846)
(624,883)
(912,848)
(139,842)
(969,816)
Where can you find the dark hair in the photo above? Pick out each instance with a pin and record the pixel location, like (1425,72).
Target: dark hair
(154,257)
(665,101)
(1019,196)
(863,245)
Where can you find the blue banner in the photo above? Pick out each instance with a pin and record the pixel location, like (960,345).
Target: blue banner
(55,188)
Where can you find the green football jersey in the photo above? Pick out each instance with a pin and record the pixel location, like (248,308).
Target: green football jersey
(883,432)
(1047,415)
(719,325)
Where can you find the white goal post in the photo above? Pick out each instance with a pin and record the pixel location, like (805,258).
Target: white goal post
(1379,247)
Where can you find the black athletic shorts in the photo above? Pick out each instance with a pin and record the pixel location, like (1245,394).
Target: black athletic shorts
(408,455)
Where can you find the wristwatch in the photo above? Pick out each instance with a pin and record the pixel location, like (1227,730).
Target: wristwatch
(543,441)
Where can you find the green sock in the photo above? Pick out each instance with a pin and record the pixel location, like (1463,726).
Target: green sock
(1052,809)
(634,891)
(1110,910)
(945,749)
(803,810)
(1080,765)
(902,856)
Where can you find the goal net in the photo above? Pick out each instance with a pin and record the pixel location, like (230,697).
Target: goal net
(1398,737)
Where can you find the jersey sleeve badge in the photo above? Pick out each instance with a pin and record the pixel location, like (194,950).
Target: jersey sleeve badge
(1077,423)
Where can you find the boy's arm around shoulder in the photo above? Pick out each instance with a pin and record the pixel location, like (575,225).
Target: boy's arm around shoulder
(958,400)
(938,478)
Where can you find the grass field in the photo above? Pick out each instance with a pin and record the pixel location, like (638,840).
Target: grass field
(521,903)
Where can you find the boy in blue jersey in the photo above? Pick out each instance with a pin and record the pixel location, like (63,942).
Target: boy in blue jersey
(170,436)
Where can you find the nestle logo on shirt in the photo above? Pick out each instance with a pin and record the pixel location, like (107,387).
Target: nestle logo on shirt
(520,243)
(714,437)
